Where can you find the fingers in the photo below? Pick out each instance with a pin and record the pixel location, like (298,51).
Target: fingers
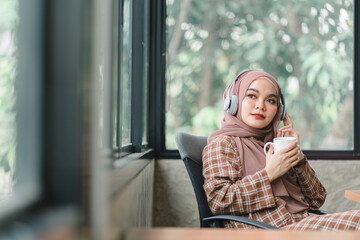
(295,152)
(282,131)
(287,131)
(293,161)
(291,154)
(286,128)
(288,121)
(271,150)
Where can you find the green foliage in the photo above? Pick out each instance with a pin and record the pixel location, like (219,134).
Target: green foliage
(8,14)
(307,45)
(8,70)
(206,121)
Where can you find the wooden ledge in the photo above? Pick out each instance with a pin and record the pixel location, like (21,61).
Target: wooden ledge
(231,234)
(353,195)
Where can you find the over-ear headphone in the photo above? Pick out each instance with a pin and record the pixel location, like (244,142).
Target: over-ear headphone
(231,102)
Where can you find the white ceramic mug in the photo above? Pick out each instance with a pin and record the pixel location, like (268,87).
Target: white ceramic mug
(279,143)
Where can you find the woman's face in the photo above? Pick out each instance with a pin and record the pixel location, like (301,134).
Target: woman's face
(259,106)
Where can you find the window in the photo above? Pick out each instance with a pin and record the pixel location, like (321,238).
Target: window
(308,46)
(130,77)
(8,71)
(20,104)
(115,76)
(145,70)
(126,73)
(74,84)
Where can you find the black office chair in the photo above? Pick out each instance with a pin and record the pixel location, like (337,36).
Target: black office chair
(190,148)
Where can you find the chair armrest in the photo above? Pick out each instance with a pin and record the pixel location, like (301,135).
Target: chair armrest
(241,220)
(319,212)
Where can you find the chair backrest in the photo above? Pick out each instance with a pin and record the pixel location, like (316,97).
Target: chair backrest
(190,148)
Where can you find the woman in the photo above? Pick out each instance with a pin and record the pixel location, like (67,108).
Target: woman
(240,179)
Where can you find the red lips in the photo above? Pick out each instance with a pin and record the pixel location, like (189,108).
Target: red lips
(258,116)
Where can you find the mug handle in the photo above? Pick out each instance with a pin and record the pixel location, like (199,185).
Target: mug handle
(265,146)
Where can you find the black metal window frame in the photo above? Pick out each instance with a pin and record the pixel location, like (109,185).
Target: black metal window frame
(138,71)
(160,91)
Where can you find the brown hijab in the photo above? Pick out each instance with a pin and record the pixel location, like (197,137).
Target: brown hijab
(250,142)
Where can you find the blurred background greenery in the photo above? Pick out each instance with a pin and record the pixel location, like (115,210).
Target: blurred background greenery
(8,71)
(307,45)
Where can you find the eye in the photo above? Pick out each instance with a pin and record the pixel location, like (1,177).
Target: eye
(252,96)
(272,101)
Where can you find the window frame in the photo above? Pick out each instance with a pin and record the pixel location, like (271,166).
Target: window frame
(59,150)
(140,74)
(157,80)
(354,154)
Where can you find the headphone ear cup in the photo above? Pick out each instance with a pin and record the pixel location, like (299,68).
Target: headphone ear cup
(282,112)
(233,105)
(227,103)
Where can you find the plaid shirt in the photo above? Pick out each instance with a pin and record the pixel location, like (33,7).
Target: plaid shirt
(228,192)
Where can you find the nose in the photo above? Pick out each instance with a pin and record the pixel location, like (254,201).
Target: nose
(260,105)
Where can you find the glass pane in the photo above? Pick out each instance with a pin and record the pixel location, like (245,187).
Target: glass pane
(146,72)
(126,74)
(307,45)
(21,70)
(115,77)
(8,71)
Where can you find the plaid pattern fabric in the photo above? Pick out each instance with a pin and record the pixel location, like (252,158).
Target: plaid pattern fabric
(314,192)
(228,192)
(344,221)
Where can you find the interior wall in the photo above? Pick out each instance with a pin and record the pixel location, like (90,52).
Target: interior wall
(174,199)
(132,206)
(175,203)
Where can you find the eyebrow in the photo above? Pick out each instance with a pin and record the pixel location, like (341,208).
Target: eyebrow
(255,90)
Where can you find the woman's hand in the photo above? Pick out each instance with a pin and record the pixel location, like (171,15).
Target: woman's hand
(277,164)
(288,131)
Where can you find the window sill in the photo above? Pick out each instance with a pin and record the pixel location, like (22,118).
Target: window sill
(125,169)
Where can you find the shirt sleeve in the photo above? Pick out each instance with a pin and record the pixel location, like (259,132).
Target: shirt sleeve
(313,190)
(226,190)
